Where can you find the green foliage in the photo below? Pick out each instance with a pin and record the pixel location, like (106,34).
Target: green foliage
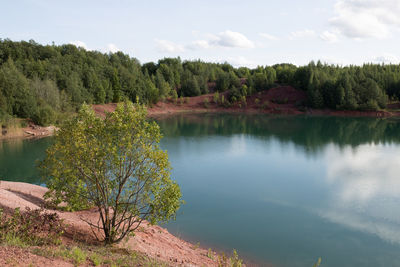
(30,228)
(318,263)
(223,82)
(190,85)
(263,79)
(114,164)
(78,255)
(216,97)
(233,261)
(265,105)
(174,95)
(97,255)
(44,116)
(210,254)
(35,78)
(206,102)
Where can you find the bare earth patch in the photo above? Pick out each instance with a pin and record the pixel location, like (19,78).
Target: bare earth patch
(14,256)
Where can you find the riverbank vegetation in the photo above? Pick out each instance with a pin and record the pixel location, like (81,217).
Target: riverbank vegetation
(45,82)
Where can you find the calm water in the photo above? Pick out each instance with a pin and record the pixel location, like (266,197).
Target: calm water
(282,190)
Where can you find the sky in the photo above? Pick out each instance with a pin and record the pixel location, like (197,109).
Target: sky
(240,32)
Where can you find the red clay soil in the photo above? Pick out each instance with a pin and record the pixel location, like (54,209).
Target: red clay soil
(279,100)
(154,241)
(14,256)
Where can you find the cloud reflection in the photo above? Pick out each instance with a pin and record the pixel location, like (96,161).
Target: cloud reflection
(365,189)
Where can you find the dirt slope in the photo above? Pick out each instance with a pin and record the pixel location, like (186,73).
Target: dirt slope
(153,241)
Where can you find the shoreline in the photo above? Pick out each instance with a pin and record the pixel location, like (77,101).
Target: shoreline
(195,105)
(152,240)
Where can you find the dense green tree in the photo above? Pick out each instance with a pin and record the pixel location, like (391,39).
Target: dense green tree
(114,164)
(31,75)
(15,88)
(190,86)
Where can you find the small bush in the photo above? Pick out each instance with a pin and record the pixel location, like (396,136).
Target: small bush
(318,263)
(233,261)
(265,105)
(216,97)
(206,102)
(78,255)
(45,116)
(244,101)
(31,227)
(96,259)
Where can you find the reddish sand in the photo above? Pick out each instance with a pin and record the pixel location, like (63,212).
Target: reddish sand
(278,100)
(153,241)
(14,256)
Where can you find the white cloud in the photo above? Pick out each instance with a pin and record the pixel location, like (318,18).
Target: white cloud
(227,38)
(328,36)
(387,58)
(112,48)
(168,47)
(269,36)
(360,19)
(231,39)
(198,44)
(302,34)
(241,61)
(78,43)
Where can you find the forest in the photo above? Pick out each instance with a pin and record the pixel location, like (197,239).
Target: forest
(45,82)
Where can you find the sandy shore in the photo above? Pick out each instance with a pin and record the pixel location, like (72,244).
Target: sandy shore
(153,241)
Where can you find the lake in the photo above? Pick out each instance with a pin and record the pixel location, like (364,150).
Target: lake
(282,190)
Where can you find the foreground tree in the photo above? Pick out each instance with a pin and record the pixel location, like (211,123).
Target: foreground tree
(114,164)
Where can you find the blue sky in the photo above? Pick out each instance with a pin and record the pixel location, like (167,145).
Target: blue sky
(243,33)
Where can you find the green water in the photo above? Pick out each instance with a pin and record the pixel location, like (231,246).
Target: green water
(280,190)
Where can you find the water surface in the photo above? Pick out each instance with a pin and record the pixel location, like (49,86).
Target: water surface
(282,190)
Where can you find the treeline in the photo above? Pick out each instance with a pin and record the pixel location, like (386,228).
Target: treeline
(309,133)
(45,82)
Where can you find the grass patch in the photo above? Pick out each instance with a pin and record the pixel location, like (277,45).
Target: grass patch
(97,255)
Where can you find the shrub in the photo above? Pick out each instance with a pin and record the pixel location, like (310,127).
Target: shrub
(114,164)
(31,227)
(265,105)
(206,102)
(216,97)
(45,116)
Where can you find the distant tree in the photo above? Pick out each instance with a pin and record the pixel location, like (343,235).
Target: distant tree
(190,86)
(15,87)
(114,164)
(223,82)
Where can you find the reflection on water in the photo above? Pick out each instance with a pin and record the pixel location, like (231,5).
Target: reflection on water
(18,159)
(283,190)
(367,189)
(287,190)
